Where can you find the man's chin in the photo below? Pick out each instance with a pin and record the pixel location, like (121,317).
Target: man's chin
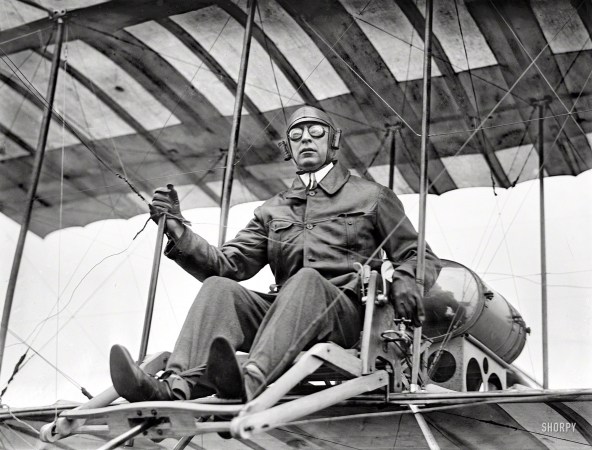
(309,166)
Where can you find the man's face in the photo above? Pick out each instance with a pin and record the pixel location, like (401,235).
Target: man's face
(309,151)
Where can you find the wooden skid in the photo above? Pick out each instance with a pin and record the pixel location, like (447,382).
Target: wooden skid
(170,419)
(63,426)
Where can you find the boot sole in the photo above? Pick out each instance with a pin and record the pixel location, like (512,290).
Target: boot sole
(223,370)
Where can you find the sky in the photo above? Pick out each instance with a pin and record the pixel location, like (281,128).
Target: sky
(97,277)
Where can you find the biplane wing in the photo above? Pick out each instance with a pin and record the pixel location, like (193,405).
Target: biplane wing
(147,91)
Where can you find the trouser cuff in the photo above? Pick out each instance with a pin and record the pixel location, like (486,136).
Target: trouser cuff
(179,386)
(255,381)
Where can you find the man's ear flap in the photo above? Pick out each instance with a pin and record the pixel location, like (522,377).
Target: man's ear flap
(336,139)
(283,145)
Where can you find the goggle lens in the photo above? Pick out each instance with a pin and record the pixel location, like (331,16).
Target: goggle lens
(316,131)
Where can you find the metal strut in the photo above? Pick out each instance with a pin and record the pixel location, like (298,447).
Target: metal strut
(133,432)
(34,182)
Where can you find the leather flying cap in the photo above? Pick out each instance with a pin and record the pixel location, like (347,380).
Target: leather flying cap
(309,114)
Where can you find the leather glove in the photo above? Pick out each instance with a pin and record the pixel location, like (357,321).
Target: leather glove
(407,298)
(166,201)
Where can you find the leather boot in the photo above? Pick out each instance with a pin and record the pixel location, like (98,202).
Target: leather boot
(224,371)
(131,382)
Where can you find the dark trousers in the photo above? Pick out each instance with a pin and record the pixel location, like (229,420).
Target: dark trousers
(273,329)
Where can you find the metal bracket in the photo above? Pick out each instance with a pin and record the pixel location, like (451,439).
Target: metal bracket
(57,14)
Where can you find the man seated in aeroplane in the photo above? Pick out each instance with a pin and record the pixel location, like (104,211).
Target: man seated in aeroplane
(311,235)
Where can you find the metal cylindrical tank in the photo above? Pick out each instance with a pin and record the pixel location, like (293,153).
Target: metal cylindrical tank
(461,303)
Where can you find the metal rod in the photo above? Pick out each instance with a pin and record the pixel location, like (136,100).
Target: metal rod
(152,288)
(183,442)
(236,120)
(34,182)
(545,331)
(423,181)
(131,433)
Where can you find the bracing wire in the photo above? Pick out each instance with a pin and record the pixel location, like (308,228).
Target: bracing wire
(34,74)
(490,113)
(517,296)
(71,129)
(437,58)
(57,369)
(387,133)
(22,363)
(271,63)
(503,98)
(316,438)
(355,72)
(17,434)
(558,134)
(435,134)
(472,85)
(534,61)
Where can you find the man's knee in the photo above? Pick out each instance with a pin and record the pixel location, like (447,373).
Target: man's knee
(306,274)
(216,285)
(219,292)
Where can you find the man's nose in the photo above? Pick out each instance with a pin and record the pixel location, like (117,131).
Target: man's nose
(306,135)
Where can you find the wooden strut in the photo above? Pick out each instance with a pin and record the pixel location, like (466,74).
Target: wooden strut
(425,429)
(236,120)
(152,288)
(244,426)
(34,182)
(541,151)
(423,185)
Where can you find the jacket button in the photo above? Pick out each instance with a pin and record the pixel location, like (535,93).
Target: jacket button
(350,222)
(312,193)
(309,226)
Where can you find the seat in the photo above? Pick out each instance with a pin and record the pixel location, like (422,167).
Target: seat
(380,364)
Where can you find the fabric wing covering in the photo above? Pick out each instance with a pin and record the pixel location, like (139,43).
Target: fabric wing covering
(146,92)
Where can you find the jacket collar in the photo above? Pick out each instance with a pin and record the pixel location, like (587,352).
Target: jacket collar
(331,183)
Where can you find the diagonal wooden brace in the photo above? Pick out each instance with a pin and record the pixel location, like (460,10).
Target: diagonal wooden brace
(244,426)
(330,354)
(63,427)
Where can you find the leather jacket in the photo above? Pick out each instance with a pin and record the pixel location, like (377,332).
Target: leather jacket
(343,221)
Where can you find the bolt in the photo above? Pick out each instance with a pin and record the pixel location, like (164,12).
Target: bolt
(153,412)
(159,432)
(139,413)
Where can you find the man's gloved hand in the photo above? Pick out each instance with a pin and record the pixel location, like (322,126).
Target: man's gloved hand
(407,299)
(166,201)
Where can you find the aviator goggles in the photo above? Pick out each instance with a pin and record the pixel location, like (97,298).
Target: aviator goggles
(316,131)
